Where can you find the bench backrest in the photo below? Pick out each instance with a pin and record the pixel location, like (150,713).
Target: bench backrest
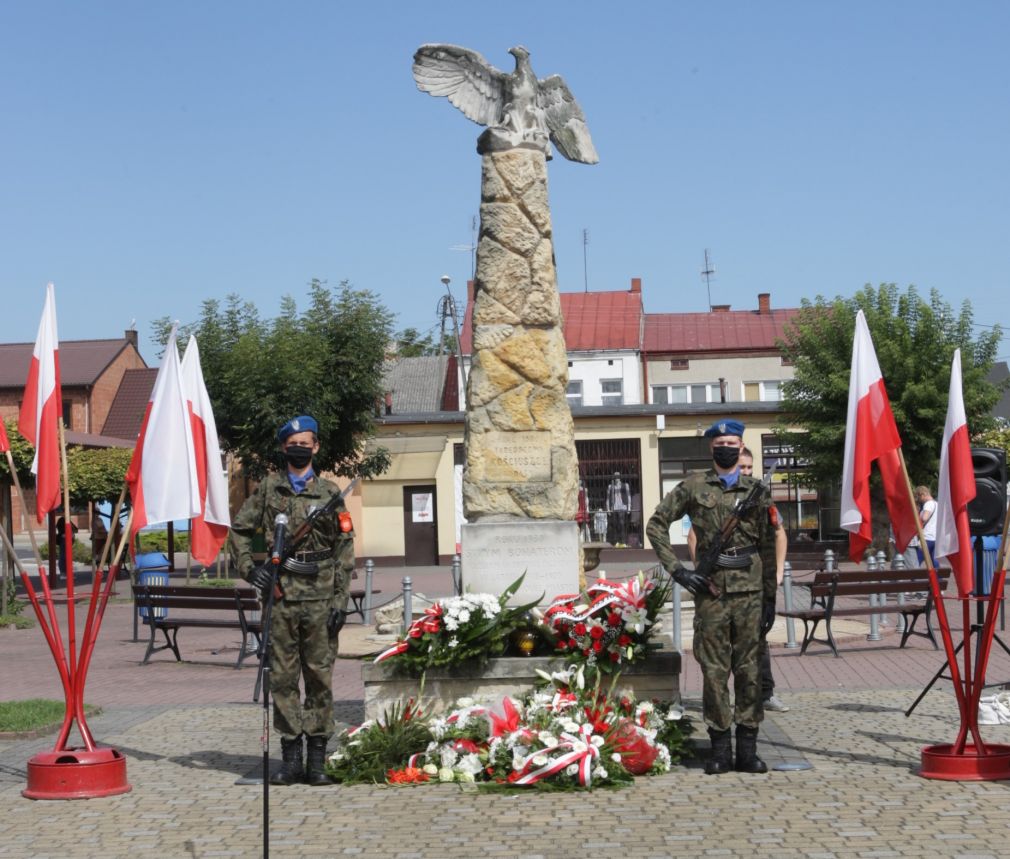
(194,597)
(866,582)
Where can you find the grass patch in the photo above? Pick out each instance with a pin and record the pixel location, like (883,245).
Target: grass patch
(207,582)
(19,621)
(34,713)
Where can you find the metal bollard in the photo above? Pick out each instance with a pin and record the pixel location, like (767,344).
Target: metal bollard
(408,609)
(898,563)
(882,598)
(367,606)
(677,630)
(871,567)
(457,575)
(829,561)
(787,594)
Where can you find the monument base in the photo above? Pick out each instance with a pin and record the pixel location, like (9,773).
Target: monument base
(495,554)
(76,774)
(658,676)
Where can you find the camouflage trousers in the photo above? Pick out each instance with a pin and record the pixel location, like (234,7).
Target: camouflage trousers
(300,646)
(727,640)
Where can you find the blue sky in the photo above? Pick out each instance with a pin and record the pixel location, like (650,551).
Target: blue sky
(158,154)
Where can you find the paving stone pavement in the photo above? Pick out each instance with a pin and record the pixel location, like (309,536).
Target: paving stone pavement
(189,732)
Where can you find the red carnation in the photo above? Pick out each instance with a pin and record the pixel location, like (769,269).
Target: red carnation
(572,643)
(562,645)
(614,619)
(624,640)
(580,629)
(597,646)
(615,656)
(596,632)
(586,651)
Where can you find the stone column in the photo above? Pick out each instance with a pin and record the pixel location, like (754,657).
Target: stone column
(521,468)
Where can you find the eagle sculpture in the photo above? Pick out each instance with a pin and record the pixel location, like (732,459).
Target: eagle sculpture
(519,110)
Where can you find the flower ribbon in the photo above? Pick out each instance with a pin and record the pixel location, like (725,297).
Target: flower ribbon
(578,749)
(431,621)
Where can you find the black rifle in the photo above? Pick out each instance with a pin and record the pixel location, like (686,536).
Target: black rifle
(710,559)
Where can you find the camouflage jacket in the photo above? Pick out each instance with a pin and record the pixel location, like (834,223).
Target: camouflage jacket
(702,497)
(275,495)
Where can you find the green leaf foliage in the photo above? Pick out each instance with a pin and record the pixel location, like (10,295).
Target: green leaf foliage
(97,474)
(915,341)
(325,361)
(22,453)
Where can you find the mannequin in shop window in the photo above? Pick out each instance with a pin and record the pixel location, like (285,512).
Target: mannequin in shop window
(619,508)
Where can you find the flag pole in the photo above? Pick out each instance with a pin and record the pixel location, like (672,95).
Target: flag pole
(941,609)
(68,548)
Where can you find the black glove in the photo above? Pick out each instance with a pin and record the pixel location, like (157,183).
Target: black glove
(767,616)
(335,621)
(691,580)
(262,578)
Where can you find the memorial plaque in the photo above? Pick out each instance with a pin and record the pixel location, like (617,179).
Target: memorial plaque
(495,554)
(513,457)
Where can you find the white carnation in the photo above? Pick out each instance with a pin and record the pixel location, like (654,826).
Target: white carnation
(446,775)
(540,761)
(572,769)
(616,757)
(430,769)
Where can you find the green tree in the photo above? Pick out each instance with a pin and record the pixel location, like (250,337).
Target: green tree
(325,361)
(22,453)
(997,436)
(97,474)
(915,342)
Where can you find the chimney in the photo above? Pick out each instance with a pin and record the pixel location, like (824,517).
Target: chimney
(470,288)
(764,303)
(720,308)
(636,285)
(131,336)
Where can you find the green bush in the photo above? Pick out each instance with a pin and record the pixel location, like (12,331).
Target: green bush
(82,552)
(14,606)
(157,541)
(18,621)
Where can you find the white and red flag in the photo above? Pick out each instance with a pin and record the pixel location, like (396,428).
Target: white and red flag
(871,434)
(42,408)
(957,487)
(162,476)
(209,530)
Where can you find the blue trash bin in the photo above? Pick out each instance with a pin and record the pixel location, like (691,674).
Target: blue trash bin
(152,569)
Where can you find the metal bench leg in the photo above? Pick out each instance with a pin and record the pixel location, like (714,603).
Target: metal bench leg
(808,633)
(831,637)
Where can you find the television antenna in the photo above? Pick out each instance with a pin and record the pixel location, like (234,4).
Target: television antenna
(472,247)
(585,268)
(707,273)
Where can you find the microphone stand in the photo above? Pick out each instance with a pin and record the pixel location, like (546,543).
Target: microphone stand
(263,680)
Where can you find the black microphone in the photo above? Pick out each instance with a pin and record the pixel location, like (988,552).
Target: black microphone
(280,537)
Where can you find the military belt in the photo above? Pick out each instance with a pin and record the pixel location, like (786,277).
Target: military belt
(737,558)
(313,557)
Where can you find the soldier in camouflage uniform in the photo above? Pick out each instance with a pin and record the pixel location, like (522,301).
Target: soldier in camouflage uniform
(315,588)
(727,628)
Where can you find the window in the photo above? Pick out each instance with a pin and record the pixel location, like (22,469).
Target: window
(574,393)
(68,414)
(612,391)
(705,392)
(680,364)
(762,392)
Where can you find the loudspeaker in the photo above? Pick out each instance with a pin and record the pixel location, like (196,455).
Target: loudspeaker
(986,510)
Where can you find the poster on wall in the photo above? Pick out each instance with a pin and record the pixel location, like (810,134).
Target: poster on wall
(422,509)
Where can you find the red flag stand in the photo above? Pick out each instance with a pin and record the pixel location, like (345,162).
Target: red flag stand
(73,772)
(961,760)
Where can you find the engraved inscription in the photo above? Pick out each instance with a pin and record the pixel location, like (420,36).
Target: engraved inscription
(518,457)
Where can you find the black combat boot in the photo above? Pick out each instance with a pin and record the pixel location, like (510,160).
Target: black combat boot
(292,770)
(747,760)
(316,774)
(721,760)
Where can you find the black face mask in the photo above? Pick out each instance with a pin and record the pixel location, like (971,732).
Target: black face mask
(298,455)
(725,457)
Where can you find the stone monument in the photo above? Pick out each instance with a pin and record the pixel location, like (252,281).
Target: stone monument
(520,480)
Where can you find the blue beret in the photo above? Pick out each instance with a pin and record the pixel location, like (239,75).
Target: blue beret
(729,427)
(302,423)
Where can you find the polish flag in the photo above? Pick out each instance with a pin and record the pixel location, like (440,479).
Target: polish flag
(957,487)
(209,530)
(5,443)
(162,476)
(42,408)
(871,434)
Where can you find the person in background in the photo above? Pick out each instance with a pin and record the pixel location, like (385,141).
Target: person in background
(927,518)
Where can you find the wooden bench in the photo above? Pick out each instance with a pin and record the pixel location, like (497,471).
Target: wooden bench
(169,608)
(827,588)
